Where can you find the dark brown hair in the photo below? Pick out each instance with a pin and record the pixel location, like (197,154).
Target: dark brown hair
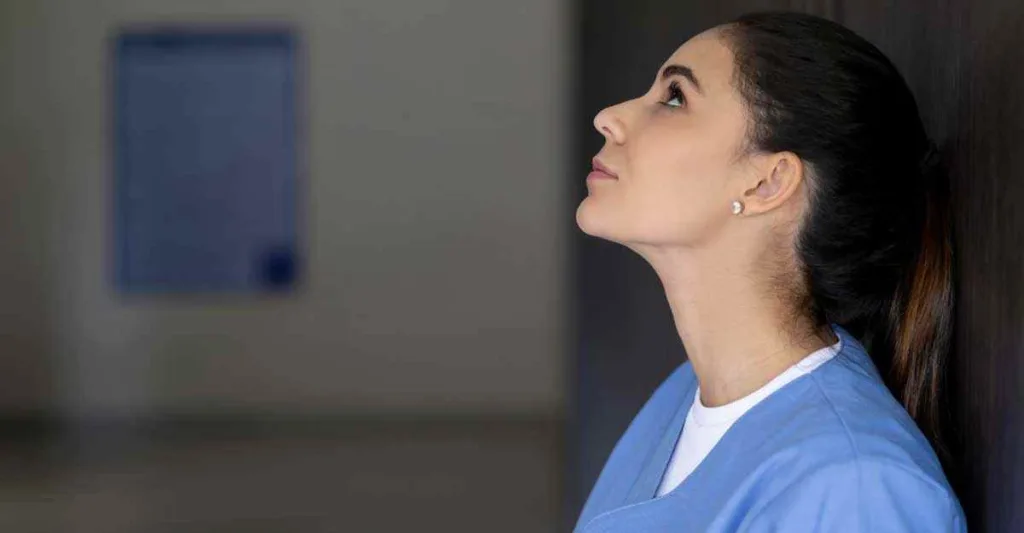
(876,242)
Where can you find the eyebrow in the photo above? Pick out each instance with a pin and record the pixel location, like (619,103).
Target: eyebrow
(681,70)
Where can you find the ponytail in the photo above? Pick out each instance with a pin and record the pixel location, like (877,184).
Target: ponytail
(920,317)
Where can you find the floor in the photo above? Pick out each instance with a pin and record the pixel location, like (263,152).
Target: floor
(421,476)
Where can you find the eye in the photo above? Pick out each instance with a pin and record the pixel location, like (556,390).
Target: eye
(675,96)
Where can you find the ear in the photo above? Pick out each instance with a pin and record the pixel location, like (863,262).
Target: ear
(780,176)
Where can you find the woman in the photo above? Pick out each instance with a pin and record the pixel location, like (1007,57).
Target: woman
(778,178)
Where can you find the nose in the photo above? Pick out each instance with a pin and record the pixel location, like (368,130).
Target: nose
(609,124)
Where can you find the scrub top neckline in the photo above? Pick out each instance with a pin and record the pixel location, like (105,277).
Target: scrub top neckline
(644,489)
(705,416)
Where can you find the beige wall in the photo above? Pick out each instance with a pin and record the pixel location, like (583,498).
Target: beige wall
(435,220)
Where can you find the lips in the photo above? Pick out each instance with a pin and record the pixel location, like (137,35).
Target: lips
(600,171)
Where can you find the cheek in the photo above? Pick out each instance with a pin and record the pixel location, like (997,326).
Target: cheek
(678,190)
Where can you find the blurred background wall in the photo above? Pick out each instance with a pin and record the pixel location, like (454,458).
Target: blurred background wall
(433,221)
(416,378)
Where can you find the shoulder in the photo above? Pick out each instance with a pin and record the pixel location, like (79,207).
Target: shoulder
(859,415)
(843,410)
(864,493)
(848,457)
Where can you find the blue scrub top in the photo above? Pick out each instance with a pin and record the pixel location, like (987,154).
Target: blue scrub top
(830,451)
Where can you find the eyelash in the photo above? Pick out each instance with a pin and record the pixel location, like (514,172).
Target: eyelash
(674,92)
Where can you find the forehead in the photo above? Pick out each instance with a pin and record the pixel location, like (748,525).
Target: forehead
(711,61)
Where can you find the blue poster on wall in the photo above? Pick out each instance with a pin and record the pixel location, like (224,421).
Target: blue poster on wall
(205,161)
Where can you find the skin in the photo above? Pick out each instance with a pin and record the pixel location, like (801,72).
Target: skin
(680,163)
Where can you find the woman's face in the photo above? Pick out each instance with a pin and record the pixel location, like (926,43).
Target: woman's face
(673,151)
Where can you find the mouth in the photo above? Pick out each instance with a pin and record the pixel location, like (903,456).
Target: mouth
(601,172)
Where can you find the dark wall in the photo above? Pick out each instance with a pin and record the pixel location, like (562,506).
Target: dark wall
(963,60)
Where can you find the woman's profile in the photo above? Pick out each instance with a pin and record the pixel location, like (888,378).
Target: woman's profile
(779,180)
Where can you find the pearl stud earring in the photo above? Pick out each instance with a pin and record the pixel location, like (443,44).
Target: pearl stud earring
(737,207)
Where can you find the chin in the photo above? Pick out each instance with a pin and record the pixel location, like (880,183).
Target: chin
(593,222)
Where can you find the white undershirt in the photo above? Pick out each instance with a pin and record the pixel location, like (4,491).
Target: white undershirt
(705,426)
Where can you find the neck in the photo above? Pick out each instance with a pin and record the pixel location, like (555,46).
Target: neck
(737,335)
